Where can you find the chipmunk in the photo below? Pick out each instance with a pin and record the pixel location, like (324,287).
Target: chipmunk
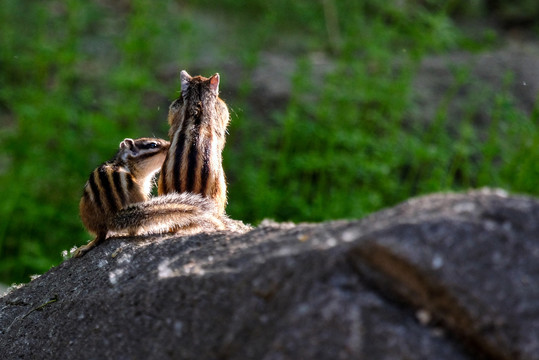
(123,180)
(198,120)
(116,199)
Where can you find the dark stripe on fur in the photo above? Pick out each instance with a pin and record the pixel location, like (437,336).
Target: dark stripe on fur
(176,173)
(85,194)
(192,160)
(118,186)
(146,155)
(95,190)
(130,183)
(107,187)
(205,171)
(163,183)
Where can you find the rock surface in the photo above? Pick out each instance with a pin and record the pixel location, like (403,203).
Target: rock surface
(451,276)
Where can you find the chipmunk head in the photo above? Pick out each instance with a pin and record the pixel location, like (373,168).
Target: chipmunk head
(187,82)
(143,156)
(199,102)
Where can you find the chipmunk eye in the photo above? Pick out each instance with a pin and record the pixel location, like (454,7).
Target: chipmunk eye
(152,145)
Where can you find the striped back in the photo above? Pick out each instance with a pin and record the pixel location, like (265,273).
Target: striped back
(110,189)
(198,120)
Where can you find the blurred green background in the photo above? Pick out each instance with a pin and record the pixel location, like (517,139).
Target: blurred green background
(329,119)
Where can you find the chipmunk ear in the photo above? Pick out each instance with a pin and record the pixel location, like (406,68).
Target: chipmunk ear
(185,78)
(214,84)
(127,143)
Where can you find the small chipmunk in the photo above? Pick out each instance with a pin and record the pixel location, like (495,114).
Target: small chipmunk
(198,120)
(123,180)
(116,199)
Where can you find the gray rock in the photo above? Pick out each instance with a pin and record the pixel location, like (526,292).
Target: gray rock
(446,276)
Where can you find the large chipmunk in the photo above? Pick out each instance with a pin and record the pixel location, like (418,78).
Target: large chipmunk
(198,120)
(116,198)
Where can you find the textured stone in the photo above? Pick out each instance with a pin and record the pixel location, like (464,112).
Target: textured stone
(446,276)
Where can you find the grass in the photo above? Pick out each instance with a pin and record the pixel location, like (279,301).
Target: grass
(77,77)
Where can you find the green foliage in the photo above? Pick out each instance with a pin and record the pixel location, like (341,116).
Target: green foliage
(62,115)
(77,77)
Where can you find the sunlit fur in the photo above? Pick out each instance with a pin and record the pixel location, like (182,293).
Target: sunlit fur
(184,213)
(198,120)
